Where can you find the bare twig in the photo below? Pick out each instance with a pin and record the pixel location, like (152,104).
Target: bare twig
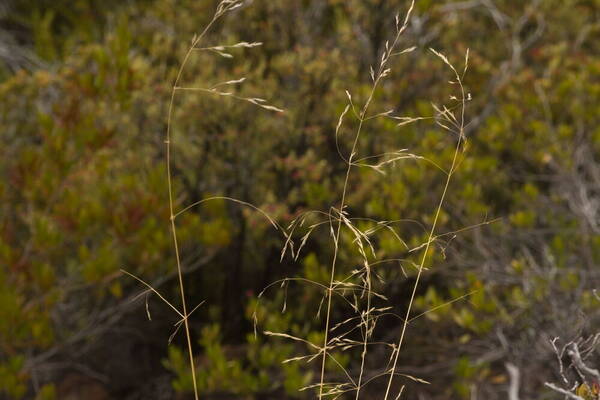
(515,381)
(573,352)
(563,391)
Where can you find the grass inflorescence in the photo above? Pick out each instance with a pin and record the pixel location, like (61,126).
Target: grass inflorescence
(355,287)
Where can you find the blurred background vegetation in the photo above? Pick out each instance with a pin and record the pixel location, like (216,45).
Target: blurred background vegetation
(84,89)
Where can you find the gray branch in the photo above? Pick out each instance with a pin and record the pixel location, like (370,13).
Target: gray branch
(573,352)
(563,391)
(515,381)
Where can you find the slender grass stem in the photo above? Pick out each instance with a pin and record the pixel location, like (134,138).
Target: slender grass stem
(172,213)
(381,73)
(431,234)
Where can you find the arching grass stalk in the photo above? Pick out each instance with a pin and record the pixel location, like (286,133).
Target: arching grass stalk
(454,125)
(382,72)
(223,8)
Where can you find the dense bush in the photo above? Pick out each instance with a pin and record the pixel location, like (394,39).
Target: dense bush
(83,117)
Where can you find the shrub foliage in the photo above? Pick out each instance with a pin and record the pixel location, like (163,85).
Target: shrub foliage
(514,264)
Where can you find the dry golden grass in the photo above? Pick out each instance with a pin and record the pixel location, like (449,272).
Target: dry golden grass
(356,290)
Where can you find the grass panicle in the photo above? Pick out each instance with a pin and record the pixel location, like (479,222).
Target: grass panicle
(358,290)
(223,8)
